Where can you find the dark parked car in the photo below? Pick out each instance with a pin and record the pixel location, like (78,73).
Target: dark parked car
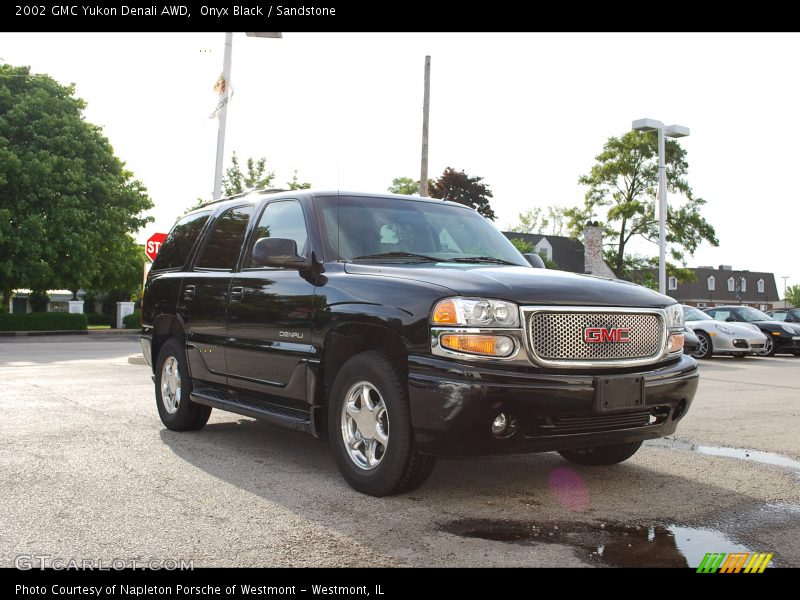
(781,337)
(403,328)
(691,343)
(789,315)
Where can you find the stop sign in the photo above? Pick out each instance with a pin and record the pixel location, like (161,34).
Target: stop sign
(153,245)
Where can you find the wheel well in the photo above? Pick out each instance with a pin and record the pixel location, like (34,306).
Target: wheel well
(345,342)
(165,327)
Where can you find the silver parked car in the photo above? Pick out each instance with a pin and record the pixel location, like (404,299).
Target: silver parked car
(716,337)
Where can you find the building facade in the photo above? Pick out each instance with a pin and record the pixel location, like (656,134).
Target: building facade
(726,285)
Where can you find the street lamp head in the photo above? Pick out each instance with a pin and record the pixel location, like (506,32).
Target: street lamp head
(676,131)
(647,125)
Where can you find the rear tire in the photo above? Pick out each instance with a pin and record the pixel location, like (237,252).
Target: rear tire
(602,455)
(706,347)
(369,427)
(173,388)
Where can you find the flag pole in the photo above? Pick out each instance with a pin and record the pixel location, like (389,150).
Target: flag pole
(223,114)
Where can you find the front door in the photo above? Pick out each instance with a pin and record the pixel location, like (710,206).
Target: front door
(269,332)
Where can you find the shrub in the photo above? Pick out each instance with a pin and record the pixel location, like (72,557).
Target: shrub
(95,319)
(43,322)
(133,320)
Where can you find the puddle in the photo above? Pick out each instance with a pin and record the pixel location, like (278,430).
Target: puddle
(611,544)
(765,458)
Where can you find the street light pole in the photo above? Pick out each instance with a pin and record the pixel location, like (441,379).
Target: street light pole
(673,131)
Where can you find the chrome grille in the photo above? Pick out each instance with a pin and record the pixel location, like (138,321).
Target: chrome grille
(559,336)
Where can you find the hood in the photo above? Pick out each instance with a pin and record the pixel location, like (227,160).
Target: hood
(777,325)
(524,285)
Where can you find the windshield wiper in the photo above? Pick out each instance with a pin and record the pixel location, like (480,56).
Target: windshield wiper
(397,255)
(481,259)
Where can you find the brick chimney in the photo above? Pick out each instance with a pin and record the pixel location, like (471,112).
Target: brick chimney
(593,262)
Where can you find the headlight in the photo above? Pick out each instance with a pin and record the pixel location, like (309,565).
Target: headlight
(724,329)
(674,316)
(788,329)
(475,312)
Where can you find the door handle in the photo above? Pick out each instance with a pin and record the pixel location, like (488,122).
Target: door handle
(188,292)
(236,294)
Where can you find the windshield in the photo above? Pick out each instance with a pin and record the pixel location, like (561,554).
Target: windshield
(751,314)
(397,230)
(691,313)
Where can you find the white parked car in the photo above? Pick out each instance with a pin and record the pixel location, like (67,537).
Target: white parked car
(717,337)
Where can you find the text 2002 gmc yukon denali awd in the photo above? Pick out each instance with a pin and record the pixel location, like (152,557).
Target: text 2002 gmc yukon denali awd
(403,328)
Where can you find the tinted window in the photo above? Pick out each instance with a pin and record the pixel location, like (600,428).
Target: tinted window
(280,220)
(225,239)
(175,249)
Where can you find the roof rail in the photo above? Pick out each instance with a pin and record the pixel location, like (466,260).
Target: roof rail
(239,195)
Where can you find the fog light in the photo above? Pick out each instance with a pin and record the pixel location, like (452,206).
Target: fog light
(500,424)
(489,345)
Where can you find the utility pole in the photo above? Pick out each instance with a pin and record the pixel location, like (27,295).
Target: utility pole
(426,105)
(784,277)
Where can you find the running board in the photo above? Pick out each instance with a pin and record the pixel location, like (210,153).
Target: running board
(278,415)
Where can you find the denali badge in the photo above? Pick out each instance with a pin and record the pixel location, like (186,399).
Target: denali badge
(291,334)
(596,335)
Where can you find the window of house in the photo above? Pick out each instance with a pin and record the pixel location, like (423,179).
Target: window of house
(744,284)
(731,284)
(711,283)
(760,286)
(225,240)
(673,283)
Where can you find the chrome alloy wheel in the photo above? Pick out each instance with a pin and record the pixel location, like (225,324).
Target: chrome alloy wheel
(767,347)
(702,349)
(365,425)
(171,385)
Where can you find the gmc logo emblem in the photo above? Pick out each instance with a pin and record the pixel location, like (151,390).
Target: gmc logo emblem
(599,335)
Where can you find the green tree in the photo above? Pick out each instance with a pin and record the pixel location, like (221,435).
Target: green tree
(256,178)
(68,206)
(546,222)
(457,186)
(793,295)
(622,190)
(294,184)
(404,185)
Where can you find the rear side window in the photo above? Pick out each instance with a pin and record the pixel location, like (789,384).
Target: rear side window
(176,248)
(225,239)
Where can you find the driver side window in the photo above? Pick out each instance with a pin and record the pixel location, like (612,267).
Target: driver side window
(282,219)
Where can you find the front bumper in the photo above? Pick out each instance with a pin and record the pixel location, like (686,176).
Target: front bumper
(738,344)
(453,405)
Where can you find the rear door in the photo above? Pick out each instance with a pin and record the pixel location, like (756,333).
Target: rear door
(269,334)
(204,294)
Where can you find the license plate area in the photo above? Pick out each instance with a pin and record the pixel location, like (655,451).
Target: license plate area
(616,393)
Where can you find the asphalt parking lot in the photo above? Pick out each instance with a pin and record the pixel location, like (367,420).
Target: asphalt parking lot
(89,472)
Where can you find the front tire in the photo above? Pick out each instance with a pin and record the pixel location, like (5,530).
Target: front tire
(706,347)
(173,388)
(601,455)
(769,346)
(369,425)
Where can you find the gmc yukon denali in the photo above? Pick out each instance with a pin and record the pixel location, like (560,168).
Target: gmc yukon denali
(403,329)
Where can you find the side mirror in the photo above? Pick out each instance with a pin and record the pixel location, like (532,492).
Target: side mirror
(535,260)
(278,252)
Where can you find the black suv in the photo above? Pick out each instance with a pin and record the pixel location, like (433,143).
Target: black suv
(403,328)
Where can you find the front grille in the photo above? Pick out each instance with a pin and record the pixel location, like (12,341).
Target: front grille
(560,336)
(591,423)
